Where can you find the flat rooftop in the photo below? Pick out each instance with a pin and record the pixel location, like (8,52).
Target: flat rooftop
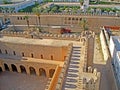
(46,42)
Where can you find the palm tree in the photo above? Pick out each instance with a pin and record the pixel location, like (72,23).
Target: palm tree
(27,20)
(84,24)
(0,9)
(37,12)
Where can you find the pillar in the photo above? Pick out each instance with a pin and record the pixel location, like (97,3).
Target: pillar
(47,73)
(27,70)
(10,67)
(18,69)
(3,68)
(37,71)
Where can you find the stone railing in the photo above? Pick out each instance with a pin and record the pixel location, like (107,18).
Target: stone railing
(41,35)
(59,36)
(53,80)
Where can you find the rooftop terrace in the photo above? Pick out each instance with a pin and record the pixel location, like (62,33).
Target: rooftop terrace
(46,42)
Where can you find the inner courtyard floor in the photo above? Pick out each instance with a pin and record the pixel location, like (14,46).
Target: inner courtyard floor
(20,81)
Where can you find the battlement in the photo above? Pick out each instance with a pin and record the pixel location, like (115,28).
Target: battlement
(87,14)
(38,35)
(13,34)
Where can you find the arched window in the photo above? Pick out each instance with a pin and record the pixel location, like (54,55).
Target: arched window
(0,51)
(21,18)
(51,57)
(23,54)
(32,71)
(14,53)
(14,69)
(6,52)
(80,19)
(6,67)
(51,72)
(23,70)
(17,18)
(42,72)
(32,55)
(41,56)
(69,18)
(31,36)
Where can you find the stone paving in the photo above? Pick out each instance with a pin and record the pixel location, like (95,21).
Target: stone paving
(99,63)
(19,81)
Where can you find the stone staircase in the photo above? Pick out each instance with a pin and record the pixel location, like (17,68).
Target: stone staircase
(72,77)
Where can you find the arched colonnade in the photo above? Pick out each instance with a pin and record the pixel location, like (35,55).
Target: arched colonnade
(41,71)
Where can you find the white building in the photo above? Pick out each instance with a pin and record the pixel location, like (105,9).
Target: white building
(8,8)
(114,47)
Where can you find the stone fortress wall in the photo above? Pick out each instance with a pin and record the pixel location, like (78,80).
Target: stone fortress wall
(55,72)
(37,35)
(68,21)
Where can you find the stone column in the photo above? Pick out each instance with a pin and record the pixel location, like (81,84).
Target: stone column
(27,70)
(47,73)
(3,68)
(18,69)
(37,71)
(10,67)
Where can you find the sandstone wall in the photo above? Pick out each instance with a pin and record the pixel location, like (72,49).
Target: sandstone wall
(35,51)
(70,21)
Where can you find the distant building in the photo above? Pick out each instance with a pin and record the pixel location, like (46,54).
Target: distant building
(15,7)
(65,0)
(115,54)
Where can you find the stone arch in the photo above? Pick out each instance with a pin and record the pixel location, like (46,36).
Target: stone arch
(51,72)
(6,67)
(14,68)
(22,68)
(32,71)
(42,72)
(0,69)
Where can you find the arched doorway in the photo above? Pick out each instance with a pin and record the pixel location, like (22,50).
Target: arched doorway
(23,70)
(6,67)
(51,72)
(14,69)
(32,71)
(0,69)
(42,72)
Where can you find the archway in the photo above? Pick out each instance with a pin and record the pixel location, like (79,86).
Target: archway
(14,69)
(42,72)
(51,72)
(6,67)
(32,71)
(23,70)
(0,69)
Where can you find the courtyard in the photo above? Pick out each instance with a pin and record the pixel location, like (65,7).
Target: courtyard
(20,81)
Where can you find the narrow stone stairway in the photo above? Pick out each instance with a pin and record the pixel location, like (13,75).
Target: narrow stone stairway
(72,76)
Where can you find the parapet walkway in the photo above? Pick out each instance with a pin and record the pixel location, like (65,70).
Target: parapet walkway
(72,76)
